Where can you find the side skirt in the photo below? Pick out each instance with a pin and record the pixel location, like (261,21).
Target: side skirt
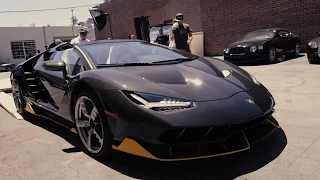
(40,111)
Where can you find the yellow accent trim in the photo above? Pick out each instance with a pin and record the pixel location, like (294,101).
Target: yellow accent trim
(273,124)
(87,59)
(110,113)
(29,108)
(74,130)
(132,147)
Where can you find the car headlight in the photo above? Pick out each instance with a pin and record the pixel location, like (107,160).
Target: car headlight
(254,80)
(159,103)
(253,48)
(260,47)
(313,44)
(226,50)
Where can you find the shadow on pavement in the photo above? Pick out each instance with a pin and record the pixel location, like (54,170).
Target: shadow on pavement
(224,167)
(264,63)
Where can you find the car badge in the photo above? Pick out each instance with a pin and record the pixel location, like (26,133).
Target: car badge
(250,101)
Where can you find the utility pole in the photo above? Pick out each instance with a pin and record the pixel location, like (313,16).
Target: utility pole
(72,21)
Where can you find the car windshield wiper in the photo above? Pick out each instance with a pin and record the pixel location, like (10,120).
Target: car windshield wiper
(125,64)
(177,60)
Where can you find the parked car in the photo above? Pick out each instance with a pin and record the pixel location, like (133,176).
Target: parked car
(6,66)
(313,51)
(263,45)
(151,101)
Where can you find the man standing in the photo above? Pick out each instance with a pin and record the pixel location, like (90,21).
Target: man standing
(56,42)
(181,33)
(81,39)
(162,39)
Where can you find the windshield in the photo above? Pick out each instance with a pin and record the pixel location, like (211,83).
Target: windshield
(154,31)
(260,35)
(131,52)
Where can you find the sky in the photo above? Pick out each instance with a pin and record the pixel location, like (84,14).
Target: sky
(53,18)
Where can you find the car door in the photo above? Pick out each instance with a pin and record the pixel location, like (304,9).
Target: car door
(54,82)
(285,41)
(75,66)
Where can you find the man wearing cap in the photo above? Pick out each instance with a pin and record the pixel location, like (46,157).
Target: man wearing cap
(181,33)
(81,39)
(161,38)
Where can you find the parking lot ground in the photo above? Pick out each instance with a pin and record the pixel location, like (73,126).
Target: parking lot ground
(36,148)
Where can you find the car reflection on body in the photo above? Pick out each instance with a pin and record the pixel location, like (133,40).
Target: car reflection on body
(6,66)
(263,45)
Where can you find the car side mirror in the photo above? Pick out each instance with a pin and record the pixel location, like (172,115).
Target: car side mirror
(56,65)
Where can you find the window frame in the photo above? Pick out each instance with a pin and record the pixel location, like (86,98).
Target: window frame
(287,32)
(80,59)
(25,46)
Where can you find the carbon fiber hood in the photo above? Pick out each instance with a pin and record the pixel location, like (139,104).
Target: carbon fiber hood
(200,80)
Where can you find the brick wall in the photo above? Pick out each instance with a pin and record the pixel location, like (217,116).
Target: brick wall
(223,22)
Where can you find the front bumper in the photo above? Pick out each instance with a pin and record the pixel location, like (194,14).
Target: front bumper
(198,132)
(238,142)
(245,58)
(313,54)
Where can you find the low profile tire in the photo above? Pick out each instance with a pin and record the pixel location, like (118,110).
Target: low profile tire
(311,61)
(92,124)
(8,68)
(297,49)
(18,98)
(272,57)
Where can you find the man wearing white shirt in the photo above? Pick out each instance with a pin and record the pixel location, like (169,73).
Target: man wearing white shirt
(81,39)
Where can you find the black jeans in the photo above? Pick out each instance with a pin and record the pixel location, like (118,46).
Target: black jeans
(187,49)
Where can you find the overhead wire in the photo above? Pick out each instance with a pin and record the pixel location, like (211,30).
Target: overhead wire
(50,9)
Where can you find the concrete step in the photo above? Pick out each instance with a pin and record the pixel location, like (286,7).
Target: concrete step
(7,103)
(5,84)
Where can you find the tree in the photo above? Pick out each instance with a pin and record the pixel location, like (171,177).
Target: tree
(74,20)
(33,25)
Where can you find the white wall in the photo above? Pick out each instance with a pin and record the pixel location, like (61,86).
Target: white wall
(8,34)
(197,44)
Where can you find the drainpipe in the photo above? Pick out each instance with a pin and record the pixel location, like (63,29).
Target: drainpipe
(45,37)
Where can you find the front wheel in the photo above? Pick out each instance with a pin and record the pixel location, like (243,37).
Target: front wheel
(8,68)
(92,125)
(272,55)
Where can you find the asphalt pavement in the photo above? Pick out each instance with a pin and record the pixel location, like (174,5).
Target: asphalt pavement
(36,148)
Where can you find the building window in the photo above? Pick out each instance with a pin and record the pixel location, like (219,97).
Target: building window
(21,49)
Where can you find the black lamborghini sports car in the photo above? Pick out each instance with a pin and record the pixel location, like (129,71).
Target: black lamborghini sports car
(145,99)
(263,45)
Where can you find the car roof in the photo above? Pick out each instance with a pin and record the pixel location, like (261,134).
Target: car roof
(269,29)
